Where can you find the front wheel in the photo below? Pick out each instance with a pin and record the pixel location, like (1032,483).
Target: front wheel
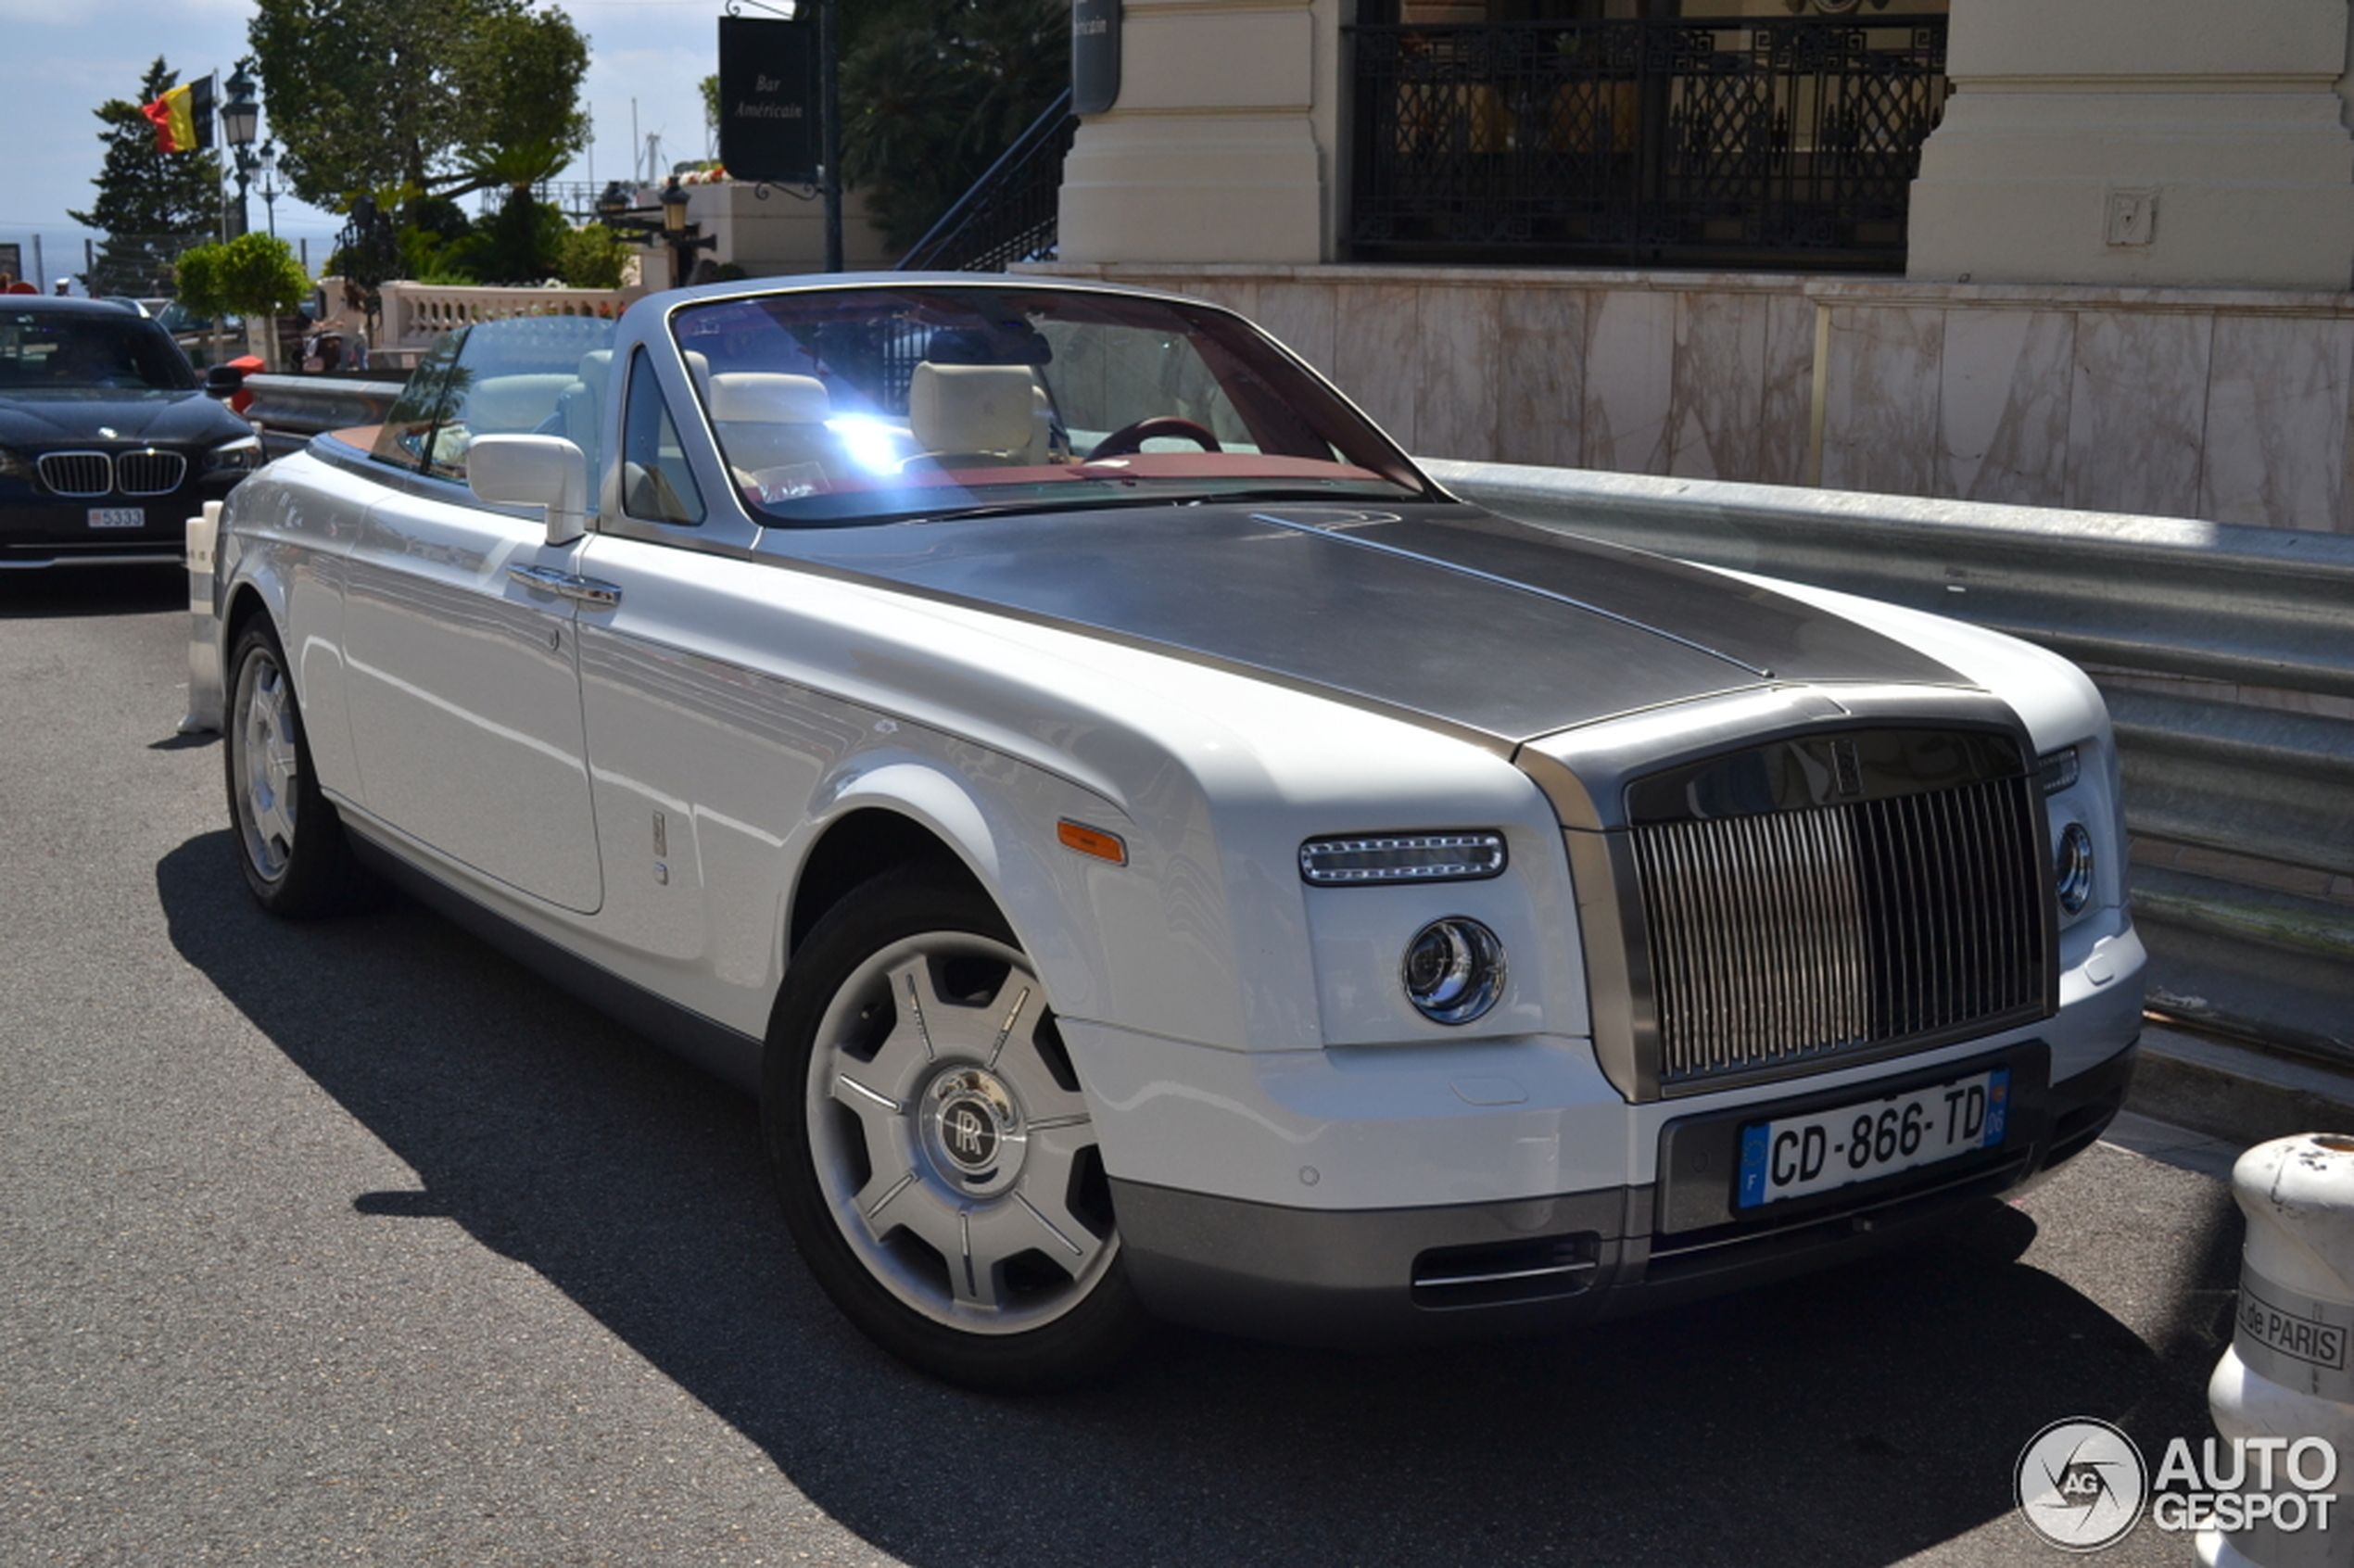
(937,1163)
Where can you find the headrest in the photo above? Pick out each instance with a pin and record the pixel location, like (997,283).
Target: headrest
(768,398)
(970,407)
(596,369)
(699,367)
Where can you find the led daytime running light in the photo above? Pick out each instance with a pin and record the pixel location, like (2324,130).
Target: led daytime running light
(2056,770)
(1402,857)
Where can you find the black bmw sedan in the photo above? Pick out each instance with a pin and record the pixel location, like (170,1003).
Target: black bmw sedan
(108,443)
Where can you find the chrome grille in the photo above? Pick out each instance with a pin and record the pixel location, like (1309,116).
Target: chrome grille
(78,474)
(1782,939)
(149,473)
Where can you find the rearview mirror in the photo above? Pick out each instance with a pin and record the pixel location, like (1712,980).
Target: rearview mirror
(223,380)
(546,470)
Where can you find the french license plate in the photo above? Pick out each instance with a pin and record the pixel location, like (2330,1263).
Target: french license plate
(118,517)
(1792,1156)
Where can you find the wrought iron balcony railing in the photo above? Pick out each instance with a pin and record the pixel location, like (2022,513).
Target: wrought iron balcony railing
(1744,141)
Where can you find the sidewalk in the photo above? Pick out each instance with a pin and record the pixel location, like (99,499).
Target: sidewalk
(2234,1094)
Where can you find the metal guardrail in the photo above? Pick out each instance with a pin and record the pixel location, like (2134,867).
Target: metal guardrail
(2248,929)
(287,410)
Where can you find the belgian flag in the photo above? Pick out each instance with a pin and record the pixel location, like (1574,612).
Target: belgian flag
(174,115)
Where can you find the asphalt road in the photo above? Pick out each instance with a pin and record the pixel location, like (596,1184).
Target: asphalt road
(356,1243)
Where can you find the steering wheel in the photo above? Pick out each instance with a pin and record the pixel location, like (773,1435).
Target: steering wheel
(1132,437)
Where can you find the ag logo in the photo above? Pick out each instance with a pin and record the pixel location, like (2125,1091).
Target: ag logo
(2081,1485)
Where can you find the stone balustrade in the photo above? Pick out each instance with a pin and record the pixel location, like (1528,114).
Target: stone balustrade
(416,314)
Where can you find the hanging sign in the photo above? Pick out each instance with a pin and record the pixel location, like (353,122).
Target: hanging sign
(1095,56)
(768,105)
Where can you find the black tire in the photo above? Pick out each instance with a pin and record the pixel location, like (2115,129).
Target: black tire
(932,1152)
(288,839)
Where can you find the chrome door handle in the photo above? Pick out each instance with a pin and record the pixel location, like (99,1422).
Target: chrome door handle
(584,590)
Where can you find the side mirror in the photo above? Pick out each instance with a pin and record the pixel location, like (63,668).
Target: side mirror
(546,470)
(223,380)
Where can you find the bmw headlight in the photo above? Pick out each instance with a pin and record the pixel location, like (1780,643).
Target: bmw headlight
(1453,970)
(241,455)
(13,465)
(2073,868)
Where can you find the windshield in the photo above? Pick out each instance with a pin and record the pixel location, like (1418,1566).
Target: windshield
(867,405)
(93,351)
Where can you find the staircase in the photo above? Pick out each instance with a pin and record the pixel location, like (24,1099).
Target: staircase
(1010,214)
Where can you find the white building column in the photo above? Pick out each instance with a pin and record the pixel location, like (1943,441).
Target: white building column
(1222,143)
(2167,141)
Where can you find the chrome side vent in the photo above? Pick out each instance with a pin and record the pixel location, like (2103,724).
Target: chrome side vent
(1497,1273)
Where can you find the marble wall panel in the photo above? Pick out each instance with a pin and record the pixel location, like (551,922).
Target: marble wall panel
(2137,411)
(1784,425)
(1630,363)
(2275,446)
(1455,396)
(1377,353)
(1540,374)
(1300,317)
(2342,522)
(1879,398)
(2003,406)
(1716,386)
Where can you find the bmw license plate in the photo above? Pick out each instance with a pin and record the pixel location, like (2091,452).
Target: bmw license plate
(118,517)
(1792,1156)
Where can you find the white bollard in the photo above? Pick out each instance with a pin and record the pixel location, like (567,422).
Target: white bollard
(206,699)
(2289,1375)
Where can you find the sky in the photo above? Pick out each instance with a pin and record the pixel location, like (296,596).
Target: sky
(60,59)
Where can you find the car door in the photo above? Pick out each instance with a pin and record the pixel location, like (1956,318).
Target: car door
(463,672)
(702,763)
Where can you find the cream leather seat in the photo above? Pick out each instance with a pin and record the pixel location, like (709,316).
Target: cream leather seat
(972,416)
(772,429)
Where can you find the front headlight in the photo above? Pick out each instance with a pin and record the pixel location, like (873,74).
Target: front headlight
(241,455)
(1453,970)
(13,465)
(2073,868)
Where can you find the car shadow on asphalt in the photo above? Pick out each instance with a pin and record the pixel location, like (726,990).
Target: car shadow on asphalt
(79,592)
(1857,1417)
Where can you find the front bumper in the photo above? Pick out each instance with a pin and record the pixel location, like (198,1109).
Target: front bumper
(39,530)
(1402,1276)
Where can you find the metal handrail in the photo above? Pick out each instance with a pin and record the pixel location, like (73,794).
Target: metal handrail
(1052,126)
(2246,937)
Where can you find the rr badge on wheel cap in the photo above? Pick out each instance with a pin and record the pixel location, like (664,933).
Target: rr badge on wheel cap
(968,1133)
(974,1131)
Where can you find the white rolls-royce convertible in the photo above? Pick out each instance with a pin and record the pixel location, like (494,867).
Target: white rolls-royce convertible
(1152,852)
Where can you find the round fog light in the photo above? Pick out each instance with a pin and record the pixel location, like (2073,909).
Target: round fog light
(2073,868)
(1454,970)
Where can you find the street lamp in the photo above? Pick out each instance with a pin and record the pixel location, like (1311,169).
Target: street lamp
(270,183)
(240,117)
(683,240)
(671,229)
